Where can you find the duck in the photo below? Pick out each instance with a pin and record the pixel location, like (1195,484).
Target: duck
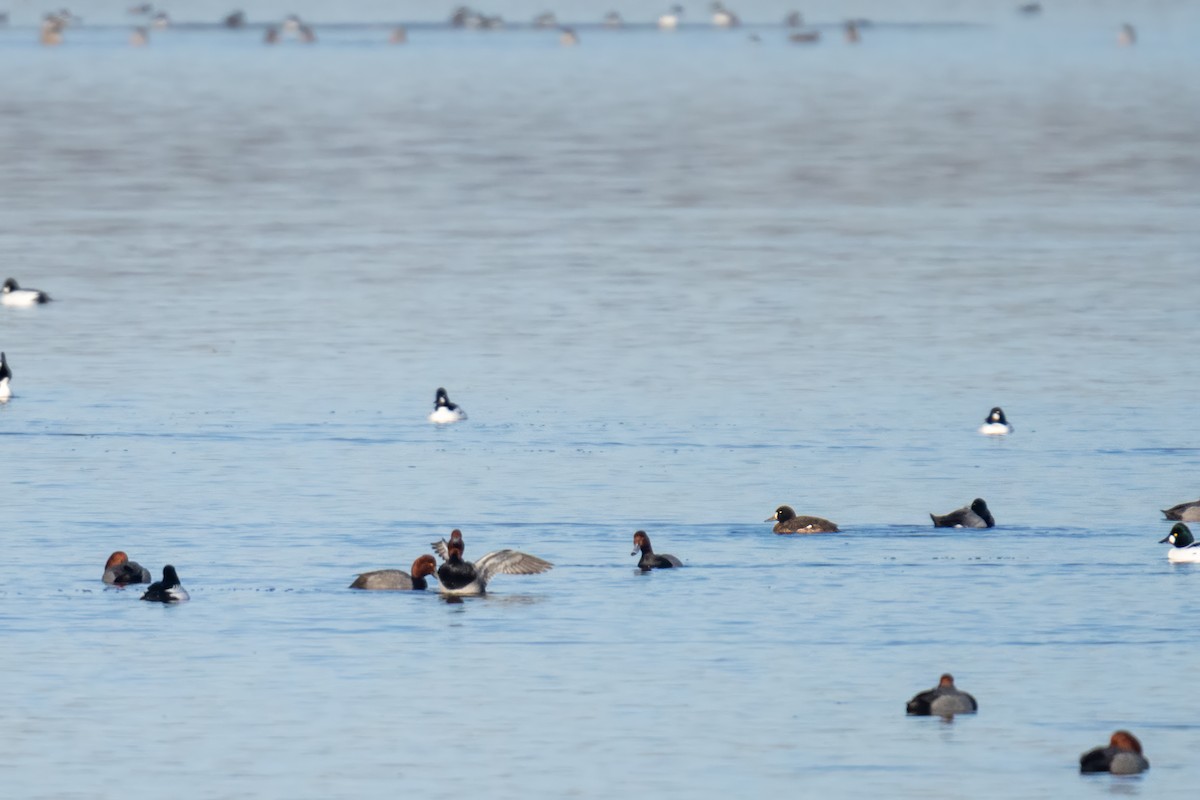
(459,577)
(545,20)
(723,17)
(120,571)
(1185,548)
(995,424)
(235,20)
(805,37)
(794,19)
(444,411)
(568,37)
(1128,36)
(399,35)
(12,294)
(786,521)
(51,34)
(944,700)
(5,377)
(1184,512)
(167,590)
(975,515)
(650,559)
(1123,756)
(613,20)
(669,20)
(397,579)
(851,32)
(139,37)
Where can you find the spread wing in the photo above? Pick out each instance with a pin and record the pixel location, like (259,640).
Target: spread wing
(440,549)
(509,562)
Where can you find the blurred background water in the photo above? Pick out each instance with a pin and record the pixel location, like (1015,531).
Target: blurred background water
(675,280)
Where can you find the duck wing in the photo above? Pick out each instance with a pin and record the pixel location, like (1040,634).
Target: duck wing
(509,562)
(441,548)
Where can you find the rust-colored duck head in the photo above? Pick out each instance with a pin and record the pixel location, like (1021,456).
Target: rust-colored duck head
(1124,740)
(115,560)
(423,566)
(641,543)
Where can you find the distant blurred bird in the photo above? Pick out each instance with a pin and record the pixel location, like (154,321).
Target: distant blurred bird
(271,35)
(852,36)
(723,17)
(671,18)
(613,20)
(1128,36)
(805,37)
(399,35)
(236,19)
(568,37)
(1030,8)
(545,20)
(139,37)
(51,32)
(5,377)
(794,19)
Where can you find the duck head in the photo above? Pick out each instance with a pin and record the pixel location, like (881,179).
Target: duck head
(641,543)
(782,514)
(1180,536)
(1124,740)
(997,415)
(946,681)
(424,566)
(980,508)
(170,576)
(115,560)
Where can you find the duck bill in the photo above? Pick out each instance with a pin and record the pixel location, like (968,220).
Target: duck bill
(637,550)
(770,519)
(1165,540)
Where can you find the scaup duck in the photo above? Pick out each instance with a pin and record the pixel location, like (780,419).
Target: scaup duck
(669,20)
(995,424)
(5,377)
(14,295)
(650,559)
(944,700)
(120,571)
(1184,512)
(1185,547)
(398,579)
(786,521)
(167,590)
(723,17)
(975,515)
(458,577)
(1123,756)
(444,411)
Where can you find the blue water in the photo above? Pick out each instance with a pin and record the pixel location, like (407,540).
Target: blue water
(675,281)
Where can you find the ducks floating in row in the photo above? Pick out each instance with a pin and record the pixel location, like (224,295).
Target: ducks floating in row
(119,571)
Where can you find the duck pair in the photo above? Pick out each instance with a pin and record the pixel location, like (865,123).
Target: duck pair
(119,571)
(975,515)
(456,576)
(1123,756)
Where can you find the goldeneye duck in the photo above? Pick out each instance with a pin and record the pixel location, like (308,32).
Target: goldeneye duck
(1123,756)
(5,377)
(444,411)
(723,17)
(120,571)
(1184,512)
(651,560)
(995,424)
(459,577)
(1185,548)
(944,700)
(14,295)
(786,521)
(167,590)
(975,515)
(398,579)
(670,19)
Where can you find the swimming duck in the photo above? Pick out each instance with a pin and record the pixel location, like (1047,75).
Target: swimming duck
(5,377)
(670,19)
(545,20)
(786,521)
(235,20)
(167,590)
(459,577)
(723,17)
(13,295)
(944,700)
(399,35)
(120,571)
(995,424)
(139,37)
(794,19)
(651,560)
(805,37)
(444,411)
(1184,512)
(1128,36)
(51,34)
(1185,548)
(613,20)
(568,37)
(851,32)
(397,579)
(975,515)
(1123,756)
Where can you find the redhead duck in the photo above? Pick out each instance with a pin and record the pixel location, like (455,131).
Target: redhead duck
(13,295)
(651,560)
(1185,548)
(1123,756)
(786,521)
(167,590)
(120,571)
(1184,512)
(444,411)
(459,577)
(944,700)
(5,377)
(975,515)
(995,424)
(398,579)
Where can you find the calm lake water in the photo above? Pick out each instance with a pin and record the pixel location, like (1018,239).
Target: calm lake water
(676,281)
